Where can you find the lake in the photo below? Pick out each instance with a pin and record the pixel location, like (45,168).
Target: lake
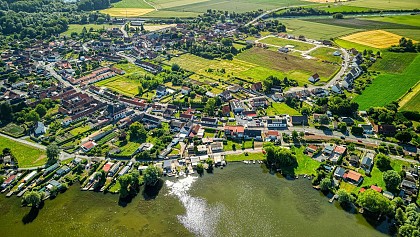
(240,200)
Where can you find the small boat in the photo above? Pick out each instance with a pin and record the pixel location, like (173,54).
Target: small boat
(245,161)
(253,162)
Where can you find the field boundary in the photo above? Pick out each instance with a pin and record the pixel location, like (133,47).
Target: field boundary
(404,99)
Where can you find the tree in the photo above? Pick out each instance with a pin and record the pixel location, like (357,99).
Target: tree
(52,153)
(392,179)
(137,132)
(383,162)
(5,111)
(295,135)
(32,116)
(210,107)
(32,198)
(140,89)
(403,136)
(325,184)
(374,201)
(129,184)
(175,67)
(358,131)
(200,168)
(41,110)
(279,157)
(344,198)
(151,175)
(400,216)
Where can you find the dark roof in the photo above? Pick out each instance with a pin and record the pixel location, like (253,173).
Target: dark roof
(299,119)
(252,133)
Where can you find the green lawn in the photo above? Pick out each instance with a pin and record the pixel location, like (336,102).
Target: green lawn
(283,42)
(377,175)
(241,157)
(326,54)
(80,129)
(306,165)
(27,156)
(280,108)
(228,147)
(389,87)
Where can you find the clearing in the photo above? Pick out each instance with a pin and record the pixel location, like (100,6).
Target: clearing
(376,38)
(26,155)
(388,87)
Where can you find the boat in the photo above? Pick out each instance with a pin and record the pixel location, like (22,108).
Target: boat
(245,161)
(253,162)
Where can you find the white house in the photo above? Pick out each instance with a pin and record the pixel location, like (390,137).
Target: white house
(40,129)
(314,78)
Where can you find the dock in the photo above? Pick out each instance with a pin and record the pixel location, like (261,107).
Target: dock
(9,194)
(333,198)
(22,192)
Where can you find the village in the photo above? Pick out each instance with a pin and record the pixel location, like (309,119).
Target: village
(176,122)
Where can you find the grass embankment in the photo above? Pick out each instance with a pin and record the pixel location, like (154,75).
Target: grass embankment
(26,155)
(388,87)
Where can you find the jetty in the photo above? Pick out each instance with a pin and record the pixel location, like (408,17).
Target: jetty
(20,194)
(333,198)
(10,193)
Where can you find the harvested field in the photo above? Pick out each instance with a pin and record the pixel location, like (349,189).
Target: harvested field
(127,12)
(376,38)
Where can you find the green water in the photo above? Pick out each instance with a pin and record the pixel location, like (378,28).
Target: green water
(239,200)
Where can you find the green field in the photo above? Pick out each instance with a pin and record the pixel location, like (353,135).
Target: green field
(389,87)
(294,67)
(13,130)
(349,45)
(343,8)
(315,30)
(241,157)
(306,165)
(386,4)
(27,156)
(78,28)
(280,108)
(412,20)
(298,45)
(413,104)
(326,54)
(408,33)
(362,23)
(393,62)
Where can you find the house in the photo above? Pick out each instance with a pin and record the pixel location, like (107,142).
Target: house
(337,89)
(340,150)
(237,106)
(225,95)
(176,125)
(201,149)
(63,170)
(161,91)
(311,149)
(276,123)
(354,160)
(339,172)
(347,120)
(226,110)
(277,97)
(367,163)
(328,149)
(107,166)
(234,131)
(376,188)
(259,102)
(367,128)
(299,120)
(39,129)
(253,134)
(209,121)
(272,135)
(185,90)
(385,129)
(216,147)
(408,187)
(88,146)
(388,195)
(314,78)
(186,117)
(353,177)
(256,86)
(114,169)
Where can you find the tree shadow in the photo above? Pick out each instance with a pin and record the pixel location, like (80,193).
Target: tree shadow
(151,192)
(123,202)
(32,214)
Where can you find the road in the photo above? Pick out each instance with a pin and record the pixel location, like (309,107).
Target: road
(123,30)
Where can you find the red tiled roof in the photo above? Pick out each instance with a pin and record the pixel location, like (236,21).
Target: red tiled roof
(362,190)
(353,175)
(88,145)
(107,167)
(272,133)
(376,188)
(339,149)
(235,129)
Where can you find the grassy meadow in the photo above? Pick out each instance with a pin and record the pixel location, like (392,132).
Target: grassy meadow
(78,28)
(386,4)
(27,156)
(298,45)
(388,87)
(326,54)
(280,108)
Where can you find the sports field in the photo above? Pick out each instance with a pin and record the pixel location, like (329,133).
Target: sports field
(388,87)
(27,156)
(376,38)
(298,45)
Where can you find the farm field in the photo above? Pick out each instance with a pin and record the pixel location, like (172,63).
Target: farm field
(348,45)
(412,20)
(362,23)
(27,156)
(126,12)
(289,64)
(408,33)
(280,108)
(393,62)
(326,54)
(78,28)
(386,4)
(343,8)
(376,38)
(155,27)
(170,14)
(302,46)
(388,87)
(411,101)
(315,30)
(132,4)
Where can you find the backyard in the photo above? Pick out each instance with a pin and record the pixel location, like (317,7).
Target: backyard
(27,156)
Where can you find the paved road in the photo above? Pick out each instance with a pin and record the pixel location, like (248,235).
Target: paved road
(123,30)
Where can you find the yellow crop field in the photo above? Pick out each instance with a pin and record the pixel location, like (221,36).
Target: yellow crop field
(127,12)
(376,38)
